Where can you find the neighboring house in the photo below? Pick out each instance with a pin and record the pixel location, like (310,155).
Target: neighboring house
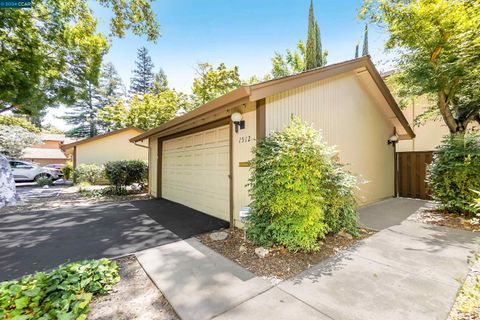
(200,160)
(48,151)
(114,145)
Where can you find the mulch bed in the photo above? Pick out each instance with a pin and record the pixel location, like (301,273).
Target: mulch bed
(134,297)
(280,263)
(430,215)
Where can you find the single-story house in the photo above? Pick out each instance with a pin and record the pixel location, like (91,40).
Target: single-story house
(200,159)
(106,147)
(48,151)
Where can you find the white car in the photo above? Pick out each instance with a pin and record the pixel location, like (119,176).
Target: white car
(28,171)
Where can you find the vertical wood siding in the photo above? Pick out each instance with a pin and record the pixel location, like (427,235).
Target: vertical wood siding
(348,118)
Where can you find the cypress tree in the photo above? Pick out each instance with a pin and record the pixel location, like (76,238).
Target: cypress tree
(142,80)
(357,48)
(365,42)
(311,50)
(318,41)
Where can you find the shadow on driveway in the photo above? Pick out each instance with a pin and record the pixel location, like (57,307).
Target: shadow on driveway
(41,240)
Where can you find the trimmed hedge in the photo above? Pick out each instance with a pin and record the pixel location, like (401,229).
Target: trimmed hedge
(89,173)
(126,172)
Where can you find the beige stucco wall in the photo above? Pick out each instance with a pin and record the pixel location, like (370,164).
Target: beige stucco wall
(428,135)
(242,144)
(110,148)
(347,116)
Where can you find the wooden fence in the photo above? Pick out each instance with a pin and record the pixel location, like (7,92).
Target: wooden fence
(411,174)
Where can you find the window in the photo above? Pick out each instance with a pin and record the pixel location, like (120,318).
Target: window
(20,165)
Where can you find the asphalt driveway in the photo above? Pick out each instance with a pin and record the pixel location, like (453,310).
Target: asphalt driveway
(37,241)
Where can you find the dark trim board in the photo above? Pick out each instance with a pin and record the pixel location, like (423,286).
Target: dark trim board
(261,118)
(230,175)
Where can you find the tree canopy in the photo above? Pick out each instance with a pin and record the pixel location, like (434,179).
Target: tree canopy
(91,97)
(143,77)
(19,122)
(145,112)
(211,82)
(43,47)
(438,53)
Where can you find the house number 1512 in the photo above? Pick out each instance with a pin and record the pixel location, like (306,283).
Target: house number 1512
(244,139)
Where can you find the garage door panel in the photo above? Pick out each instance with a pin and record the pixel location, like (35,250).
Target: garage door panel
(195,171)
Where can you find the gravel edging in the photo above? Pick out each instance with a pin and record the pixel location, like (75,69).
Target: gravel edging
(279,264)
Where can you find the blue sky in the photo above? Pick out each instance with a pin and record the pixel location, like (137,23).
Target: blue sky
(238,32)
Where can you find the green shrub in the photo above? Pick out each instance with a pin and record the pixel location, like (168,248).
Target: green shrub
(90,173)
(61,294)
(44,181)
(104,192)
(454,173)
(67,171)
(19,122)
(126,172)
(298,192)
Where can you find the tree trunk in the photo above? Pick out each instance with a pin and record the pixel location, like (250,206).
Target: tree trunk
(450,121)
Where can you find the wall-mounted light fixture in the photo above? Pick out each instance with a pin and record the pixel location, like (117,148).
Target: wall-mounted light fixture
(238,121)
(393,139)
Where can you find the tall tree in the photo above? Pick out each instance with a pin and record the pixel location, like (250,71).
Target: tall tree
(439,54)
(92,95)
(160,82)
(311,50)
(111,85)
(211,83)
(291,63)
(142,80)
(318,41)
(365,41)
(357,49)
(40,46)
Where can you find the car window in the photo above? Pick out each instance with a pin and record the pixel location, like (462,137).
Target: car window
(20,165)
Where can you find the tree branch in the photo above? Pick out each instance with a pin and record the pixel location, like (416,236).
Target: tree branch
(446,113)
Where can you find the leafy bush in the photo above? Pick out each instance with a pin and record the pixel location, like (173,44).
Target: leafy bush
(67,171)
(298,192)
(126,172)
(104,192)
(61,294)
(44,181)
(16,121)
(454,173)
(14,140)
(90,173)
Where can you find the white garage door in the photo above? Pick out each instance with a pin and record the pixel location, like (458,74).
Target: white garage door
(195,171)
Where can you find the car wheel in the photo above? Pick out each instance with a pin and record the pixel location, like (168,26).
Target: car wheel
(43,175)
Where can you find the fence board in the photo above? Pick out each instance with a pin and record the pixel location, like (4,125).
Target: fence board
(411,174)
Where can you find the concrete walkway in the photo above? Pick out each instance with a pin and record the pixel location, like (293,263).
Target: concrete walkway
(408,270)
